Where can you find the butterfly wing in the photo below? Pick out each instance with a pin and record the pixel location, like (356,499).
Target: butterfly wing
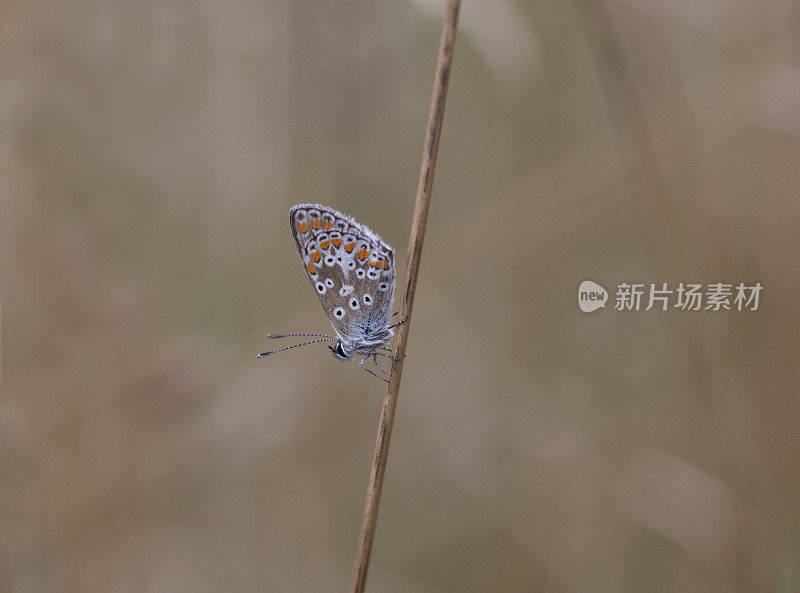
(350,267)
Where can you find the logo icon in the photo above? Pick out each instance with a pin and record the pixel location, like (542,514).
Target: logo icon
(591,296)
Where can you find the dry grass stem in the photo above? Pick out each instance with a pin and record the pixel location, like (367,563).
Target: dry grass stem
(416,239)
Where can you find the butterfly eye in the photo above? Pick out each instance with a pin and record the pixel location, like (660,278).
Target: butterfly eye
(383,286)
(354,304)
(329,282)
(338,312)
(367,298)
(321,288)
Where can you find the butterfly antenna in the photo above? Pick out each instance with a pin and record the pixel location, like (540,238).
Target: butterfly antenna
(263,354)
(275,336)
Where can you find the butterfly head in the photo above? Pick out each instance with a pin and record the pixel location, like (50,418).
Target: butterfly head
(342,351)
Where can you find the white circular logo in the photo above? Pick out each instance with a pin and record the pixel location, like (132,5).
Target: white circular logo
(591,296)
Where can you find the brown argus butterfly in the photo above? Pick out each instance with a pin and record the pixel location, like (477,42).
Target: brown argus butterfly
(352,272)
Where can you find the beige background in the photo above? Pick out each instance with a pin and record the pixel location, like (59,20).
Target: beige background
(150,153)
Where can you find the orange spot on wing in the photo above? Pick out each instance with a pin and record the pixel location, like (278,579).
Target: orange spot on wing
(336,242)
(324,244)
(302,227)
(327,225)
(348,247)
(311,269)
(363,254)
(316,256)
(314,224)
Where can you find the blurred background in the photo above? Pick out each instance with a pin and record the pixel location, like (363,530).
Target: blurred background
(150,153)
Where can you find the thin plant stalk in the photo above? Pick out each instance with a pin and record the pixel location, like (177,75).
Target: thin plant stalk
(418,224)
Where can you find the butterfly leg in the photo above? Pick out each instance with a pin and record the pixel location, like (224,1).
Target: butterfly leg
(394,358)
(401,322)
(375,360)
(361,364)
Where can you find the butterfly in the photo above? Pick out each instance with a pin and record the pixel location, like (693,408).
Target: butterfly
(352,271)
